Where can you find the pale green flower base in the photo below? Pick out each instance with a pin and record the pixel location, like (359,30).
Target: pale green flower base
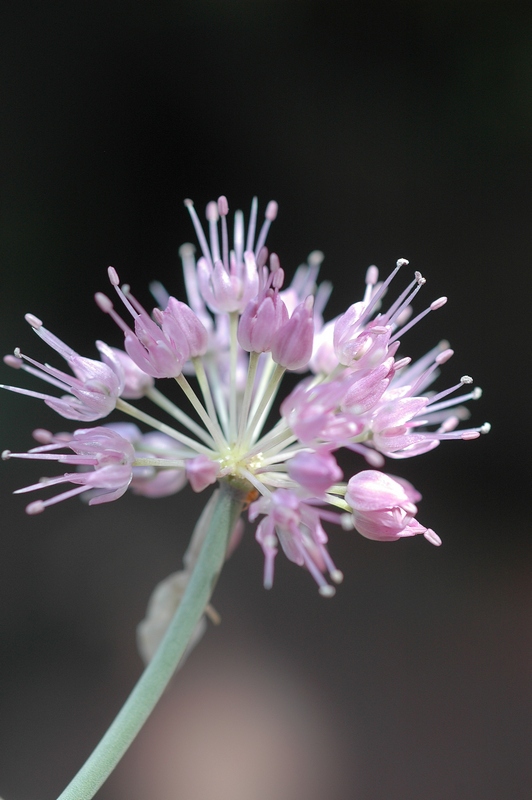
(159,671)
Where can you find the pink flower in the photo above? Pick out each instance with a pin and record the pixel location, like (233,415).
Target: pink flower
(297,526)
(292,343)
(229,280)
(264,315)
(109,454)
(148,345)
(180,324)
(400,414)
(93,391)
(313,413)
(383,507)
(315,471)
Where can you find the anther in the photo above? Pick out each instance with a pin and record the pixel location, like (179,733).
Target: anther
(315,258)
(476,394)
(439,303)
(6,454)
(34,321)
(211,212)
(103,302)
(337,576)
(187,250)
(223,206)
(42,436)
(402,363)
(325,590)
(346,521)
(278,278)
(402,262)
(274,262)
(466,379)
(485,428)
(372,275)
(444,356)
(271,210)
(113,276)
(420,280)
(13,361)
(37,507)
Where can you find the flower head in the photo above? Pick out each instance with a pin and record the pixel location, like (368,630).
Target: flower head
(228,348)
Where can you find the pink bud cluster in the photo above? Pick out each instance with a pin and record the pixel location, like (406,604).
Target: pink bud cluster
(240,330)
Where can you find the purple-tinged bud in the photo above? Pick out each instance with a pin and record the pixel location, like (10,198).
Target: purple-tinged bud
(261,320)
(180,324)
(316,471)
(384,507)
(292,344)
(202,472)
(151,482)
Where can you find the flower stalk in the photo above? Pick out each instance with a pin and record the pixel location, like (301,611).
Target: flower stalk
(159,671)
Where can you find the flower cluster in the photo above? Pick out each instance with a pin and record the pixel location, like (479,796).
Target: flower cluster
(238,333)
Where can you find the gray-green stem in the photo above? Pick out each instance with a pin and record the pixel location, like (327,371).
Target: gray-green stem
(159,671)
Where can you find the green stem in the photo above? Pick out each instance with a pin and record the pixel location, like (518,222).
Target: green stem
(159,671)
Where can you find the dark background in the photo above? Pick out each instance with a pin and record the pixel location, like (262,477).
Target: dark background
(384,130)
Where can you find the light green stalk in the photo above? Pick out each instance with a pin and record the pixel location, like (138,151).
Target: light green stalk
(159,671)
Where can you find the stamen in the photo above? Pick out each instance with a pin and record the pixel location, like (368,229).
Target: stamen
(136,413)
(213,217)
(238,236)
(252,224)
(434,306)
(402,301)
(159,293)
(437,397)
(199,233)
(383,287)
(223,209)
(163,402)
(129,302)
(105,304)
(269,216)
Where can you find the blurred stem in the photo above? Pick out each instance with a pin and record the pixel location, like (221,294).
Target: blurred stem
(159,671)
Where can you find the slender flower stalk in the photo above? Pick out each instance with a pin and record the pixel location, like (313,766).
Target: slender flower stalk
(160,669)
(228,348)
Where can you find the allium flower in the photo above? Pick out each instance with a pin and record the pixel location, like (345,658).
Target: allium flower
(235,337)
(93,391)
(383,507)
(109,454)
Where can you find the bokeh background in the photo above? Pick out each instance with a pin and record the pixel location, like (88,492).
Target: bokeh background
(384,130)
